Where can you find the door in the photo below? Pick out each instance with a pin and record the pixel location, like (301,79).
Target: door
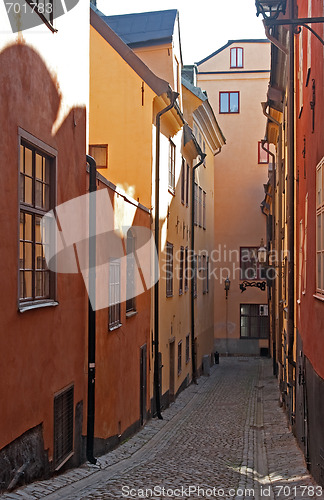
(172,362)
(143,384)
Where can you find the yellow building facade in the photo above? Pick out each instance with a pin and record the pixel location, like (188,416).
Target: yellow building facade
(128,91)
(236,78)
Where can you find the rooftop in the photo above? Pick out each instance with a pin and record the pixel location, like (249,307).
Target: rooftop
(145,28)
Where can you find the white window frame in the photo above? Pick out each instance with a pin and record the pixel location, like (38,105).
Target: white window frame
(114,320)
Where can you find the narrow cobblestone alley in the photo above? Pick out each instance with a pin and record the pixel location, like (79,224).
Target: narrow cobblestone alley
(227,437)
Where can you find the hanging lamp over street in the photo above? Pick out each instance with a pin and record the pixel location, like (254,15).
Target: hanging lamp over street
(270,9)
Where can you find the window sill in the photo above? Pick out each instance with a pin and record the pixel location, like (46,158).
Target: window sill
(169,296)
(36,305)
(318,297)
(115,327)
(130,314)
(171,191)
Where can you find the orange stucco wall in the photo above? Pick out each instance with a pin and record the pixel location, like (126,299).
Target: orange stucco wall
(118,356)
(42,350)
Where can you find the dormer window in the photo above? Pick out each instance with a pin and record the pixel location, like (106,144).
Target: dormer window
(236,57)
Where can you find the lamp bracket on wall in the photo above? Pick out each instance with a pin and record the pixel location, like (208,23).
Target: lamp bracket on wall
(257,284)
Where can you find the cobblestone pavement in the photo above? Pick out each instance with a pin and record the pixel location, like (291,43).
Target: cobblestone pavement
(226,437)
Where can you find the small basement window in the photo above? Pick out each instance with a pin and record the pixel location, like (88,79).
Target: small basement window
(63,426)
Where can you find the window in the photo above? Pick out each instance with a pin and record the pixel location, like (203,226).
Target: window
(254,321)
(205,269)
(236,57)
(229,102)
(114,294)
(204,210)
(263,156)
(320,228)
(196,204)
(187,185)
(100,153)
(169,269)
(172,151)
(183,173)
(130,273)
(63,426)
(195,265)
(186,287)
(181,271)
(37,180)
(187,348)
(250,268)
(179,357)
(200,206)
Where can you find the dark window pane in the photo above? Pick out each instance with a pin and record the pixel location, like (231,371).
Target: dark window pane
(46,278)
(28,261)
(39,284)
(39,194)
(46,197)
(21,276)
(22,187)
(39,257)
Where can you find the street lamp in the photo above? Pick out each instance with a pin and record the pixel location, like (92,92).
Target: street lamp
(270,9)
(262,253)
(227,286)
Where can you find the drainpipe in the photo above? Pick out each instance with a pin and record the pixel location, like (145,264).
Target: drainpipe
(192,260)
(173,97)
(274,348)
(92,312)
(291,204)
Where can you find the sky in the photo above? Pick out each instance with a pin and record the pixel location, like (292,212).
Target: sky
(205,25)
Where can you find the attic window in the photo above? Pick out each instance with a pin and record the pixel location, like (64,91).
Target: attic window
(237,57)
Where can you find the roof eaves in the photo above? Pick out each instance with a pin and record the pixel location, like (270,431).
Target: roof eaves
(195,90)
(150,43)
(158,85)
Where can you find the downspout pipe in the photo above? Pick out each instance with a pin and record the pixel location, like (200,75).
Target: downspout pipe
(274,343)
(173,97)
(192,270)
(91,310)
(291,202)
